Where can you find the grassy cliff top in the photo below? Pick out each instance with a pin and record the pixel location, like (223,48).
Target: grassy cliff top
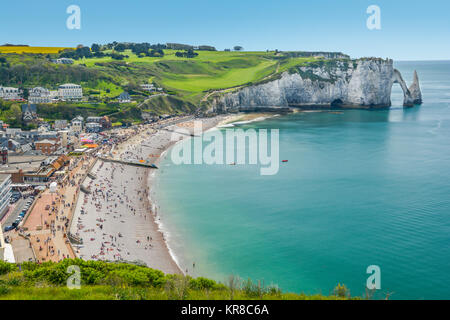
(188,80)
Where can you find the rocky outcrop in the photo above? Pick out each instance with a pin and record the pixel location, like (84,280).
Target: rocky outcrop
(328,83)
(414,89)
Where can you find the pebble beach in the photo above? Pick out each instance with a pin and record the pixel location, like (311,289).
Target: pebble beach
(115,220)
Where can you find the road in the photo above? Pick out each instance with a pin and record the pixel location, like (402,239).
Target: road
(15,213)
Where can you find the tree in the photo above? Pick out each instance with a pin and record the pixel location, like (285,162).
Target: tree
(120,47)
(238,48)
(156,53)
(95,47)
(186,54)
(16,115)
(117,56)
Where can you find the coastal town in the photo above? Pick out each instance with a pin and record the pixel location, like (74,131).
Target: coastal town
(81,188)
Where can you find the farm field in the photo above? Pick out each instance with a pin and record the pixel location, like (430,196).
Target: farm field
(36,50)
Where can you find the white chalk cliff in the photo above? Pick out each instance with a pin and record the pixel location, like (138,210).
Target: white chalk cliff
(338,83)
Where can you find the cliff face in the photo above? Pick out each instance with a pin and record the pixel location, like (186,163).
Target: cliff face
(337,83)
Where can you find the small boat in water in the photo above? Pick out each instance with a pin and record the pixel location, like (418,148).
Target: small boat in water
(285,160)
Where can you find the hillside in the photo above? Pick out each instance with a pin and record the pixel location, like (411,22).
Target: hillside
(122,281)
(189,81)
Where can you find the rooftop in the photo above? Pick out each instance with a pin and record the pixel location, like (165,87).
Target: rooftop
(3,177)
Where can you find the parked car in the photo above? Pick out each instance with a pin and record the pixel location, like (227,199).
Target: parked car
(8,228)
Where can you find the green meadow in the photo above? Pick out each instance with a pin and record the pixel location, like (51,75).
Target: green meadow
(210,70)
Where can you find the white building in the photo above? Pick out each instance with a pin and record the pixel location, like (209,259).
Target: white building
(148,87)
(124,97)
(5,193)
(61,124)
(64,134)
(39,95)
(76,126)
(8,93)
(11,132)
(63,61)
(70,91)
(6,251)
(54,95)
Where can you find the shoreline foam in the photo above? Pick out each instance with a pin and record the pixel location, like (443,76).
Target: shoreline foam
(218,122)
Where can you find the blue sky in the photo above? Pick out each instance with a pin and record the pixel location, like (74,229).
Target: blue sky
(410,30)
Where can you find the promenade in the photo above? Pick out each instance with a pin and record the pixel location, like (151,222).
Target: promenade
(47,223)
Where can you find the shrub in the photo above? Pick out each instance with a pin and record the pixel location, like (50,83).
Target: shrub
(14,279)
(4,290)
(177,287)
(341,291)
(6,267)
(202,284)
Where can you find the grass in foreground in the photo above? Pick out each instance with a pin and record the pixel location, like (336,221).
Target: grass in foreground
(121,281)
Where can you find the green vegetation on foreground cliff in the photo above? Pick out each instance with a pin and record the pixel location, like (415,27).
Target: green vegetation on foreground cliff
(121,281)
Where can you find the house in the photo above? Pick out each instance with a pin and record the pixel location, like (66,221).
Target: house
(76,126)
(43,128)
(34,169)
(26,148)
(46,146)
(12,132)
(10,144)
(60,124)
(62,61)
(105,122)
(78,118)
(39,95)
(54,95)
(70,91)
(94,119)
(8,93)
(4,155)
(64,135)
(124,97)
(5,193)
(93,127)
(28,136)
(148,87)
(29,112)
(48,135)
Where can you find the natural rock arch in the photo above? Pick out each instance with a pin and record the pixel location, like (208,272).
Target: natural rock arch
(411,95)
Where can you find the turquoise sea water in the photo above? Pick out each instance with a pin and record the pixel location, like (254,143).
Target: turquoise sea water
(361,188)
